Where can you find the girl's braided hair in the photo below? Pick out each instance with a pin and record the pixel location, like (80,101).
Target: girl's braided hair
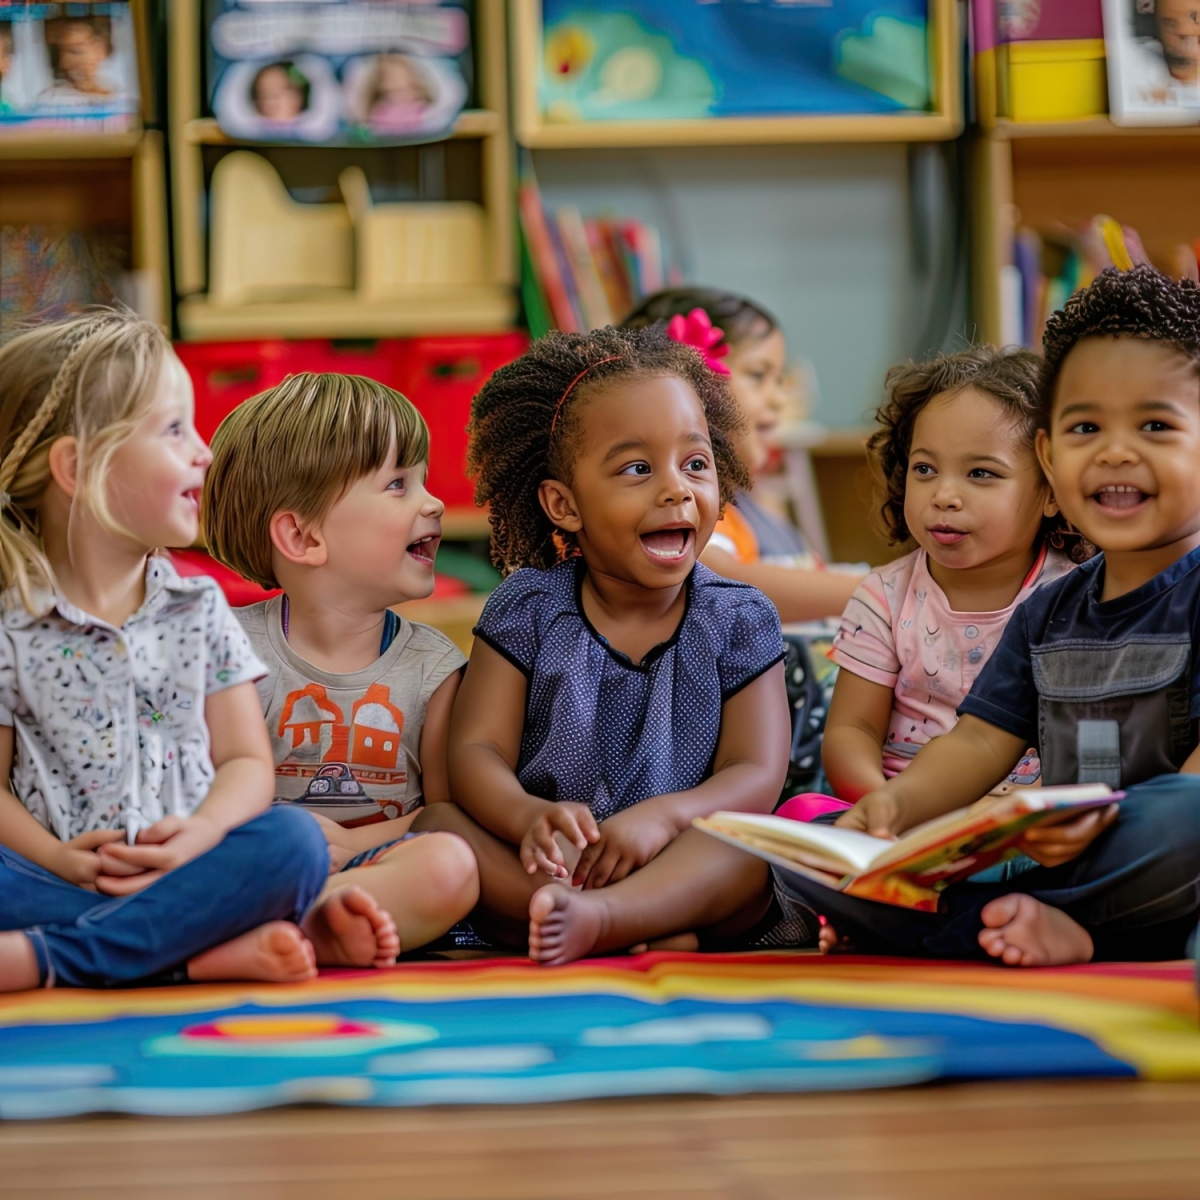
(520,433)
(91,377)
(1142,303)
(1008,376)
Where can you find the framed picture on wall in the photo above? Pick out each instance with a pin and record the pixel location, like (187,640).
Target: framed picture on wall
(1153,49)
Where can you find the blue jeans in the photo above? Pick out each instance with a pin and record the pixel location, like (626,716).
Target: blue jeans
(272,868)
(1136,889)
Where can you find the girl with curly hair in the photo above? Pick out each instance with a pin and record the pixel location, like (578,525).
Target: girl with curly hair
(1098,669)
(617,689)
(954,457)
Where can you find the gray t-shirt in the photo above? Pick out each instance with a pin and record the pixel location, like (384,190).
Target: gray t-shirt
(346,746)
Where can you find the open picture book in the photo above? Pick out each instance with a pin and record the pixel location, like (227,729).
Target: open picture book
(911,871)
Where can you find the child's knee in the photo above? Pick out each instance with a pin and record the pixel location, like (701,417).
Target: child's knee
(291,842)
(1164,814)
(451,874)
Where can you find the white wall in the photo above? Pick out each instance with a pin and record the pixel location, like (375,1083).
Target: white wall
(829,238)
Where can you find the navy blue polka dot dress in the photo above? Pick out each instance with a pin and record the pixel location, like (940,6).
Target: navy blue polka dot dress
(602,730)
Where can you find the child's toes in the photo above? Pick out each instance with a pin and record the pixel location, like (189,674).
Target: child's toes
(998,913)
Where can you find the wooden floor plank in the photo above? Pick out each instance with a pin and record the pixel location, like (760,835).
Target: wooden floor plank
(1092,1140)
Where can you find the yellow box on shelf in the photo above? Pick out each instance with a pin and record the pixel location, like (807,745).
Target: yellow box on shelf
(1053,80)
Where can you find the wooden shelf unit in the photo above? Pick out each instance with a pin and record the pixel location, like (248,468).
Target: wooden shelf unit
(44,145)
(1047,177)
(486,308)
(472,123)
(78,179)
(943,123)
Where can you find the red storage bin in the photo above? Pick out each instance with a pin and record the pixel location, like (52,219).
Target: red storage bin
(440,375)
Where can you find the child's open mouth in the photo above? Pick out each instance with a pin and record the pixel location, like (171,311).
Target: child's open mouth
(947,535)
(1119,499)
(669,545)
(424,550)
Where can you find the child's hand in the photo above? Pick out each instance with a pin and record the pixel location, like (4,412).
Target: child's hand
(876,813)
(628,841)
(162,847)
(1053,845)
(81,864)
(539,850)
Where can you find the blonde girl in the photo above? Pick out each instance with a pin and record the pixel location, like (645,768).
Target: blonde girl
(133,753)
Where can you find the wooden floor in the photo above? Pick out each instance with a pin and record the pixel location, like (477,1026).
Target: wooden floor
(1099,1140)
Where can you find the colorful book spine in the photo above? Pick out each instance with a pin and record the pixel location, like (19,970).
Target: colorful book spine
(542,254)
(593,301)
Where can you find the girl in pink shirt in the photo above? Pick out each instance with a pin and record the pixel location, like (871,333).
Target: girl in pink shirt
(954,453)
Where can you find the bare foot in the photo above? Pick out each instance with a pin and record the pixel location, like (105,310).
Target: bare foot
(349,929)
(565,924)
(274,953)
(827,939)
(1024,932)
(18,964)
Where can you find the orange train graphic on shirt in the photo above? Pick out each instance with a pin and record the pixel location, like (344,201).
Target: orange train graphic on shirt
(341,760)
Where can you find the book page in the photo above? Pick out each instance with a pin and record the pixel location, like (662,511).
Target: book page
(826,845)
(990,814)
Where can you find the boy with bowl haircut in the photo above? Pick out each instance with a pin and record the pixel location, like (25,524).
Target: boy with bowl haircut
(317,487)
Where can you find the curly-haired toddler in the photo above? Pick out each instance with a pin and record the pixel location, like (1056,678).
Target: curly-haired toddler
(617,688)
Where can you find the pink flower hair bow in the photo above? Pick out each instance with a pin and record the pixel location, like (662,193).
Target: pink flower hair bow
(697,331)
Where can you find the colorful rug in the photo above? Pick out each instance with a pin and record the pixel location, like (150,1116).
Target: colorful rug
(506,1031)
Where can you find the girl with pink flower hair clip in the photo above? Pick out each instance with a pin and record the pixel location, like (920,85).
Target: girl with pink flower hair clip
(753,544)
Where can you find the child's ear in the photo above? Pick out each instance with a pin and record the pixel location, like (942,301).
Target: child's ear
(298,541)
(64,464)
(1041,447)
(1050,507)
(558,503)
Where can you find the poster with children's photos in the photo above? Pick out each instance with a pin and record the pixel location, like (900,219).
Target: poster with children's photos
(1153,49)
(339,72)
(67,66)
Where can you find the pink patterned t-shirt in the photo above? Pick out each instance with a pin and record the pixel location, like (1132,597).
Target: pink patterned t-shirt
(899,631)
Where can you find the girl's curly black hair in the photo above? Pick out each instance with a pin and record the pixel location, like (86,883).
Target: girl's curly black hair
(1142,303)
(1009,376)
(515,442)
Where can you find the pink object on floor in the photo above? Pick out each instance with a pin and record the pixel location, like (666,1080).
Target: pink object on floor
(808,805)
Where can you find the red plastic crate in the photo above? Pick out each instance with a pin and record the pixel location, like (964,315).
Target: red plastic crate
(440,375)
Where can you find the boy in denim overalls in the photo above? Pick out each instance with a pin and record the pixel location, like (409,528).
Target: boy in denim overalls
(1099,670)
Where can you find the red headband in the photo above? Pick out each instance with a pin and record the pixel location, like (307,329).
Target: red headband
(571,387)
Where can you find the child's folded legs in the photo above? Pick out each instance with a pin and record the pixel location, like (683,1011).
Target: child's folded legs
(271,868)
(1135,890)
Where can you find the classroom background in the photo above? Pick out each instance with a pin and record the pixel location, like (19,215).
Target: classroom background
(411,191)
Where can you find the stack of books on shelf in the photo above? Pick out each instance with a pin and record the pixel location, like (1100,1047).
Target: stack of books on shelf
(1049,267)
(583,273)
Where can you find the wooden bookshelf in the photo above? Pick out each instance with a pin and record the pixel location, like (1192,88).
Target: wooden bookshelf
(473,123)
(77,179)
(942,123)
(1092,127)
(490,306)
(1048,177)
(343,315)
(42,146)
